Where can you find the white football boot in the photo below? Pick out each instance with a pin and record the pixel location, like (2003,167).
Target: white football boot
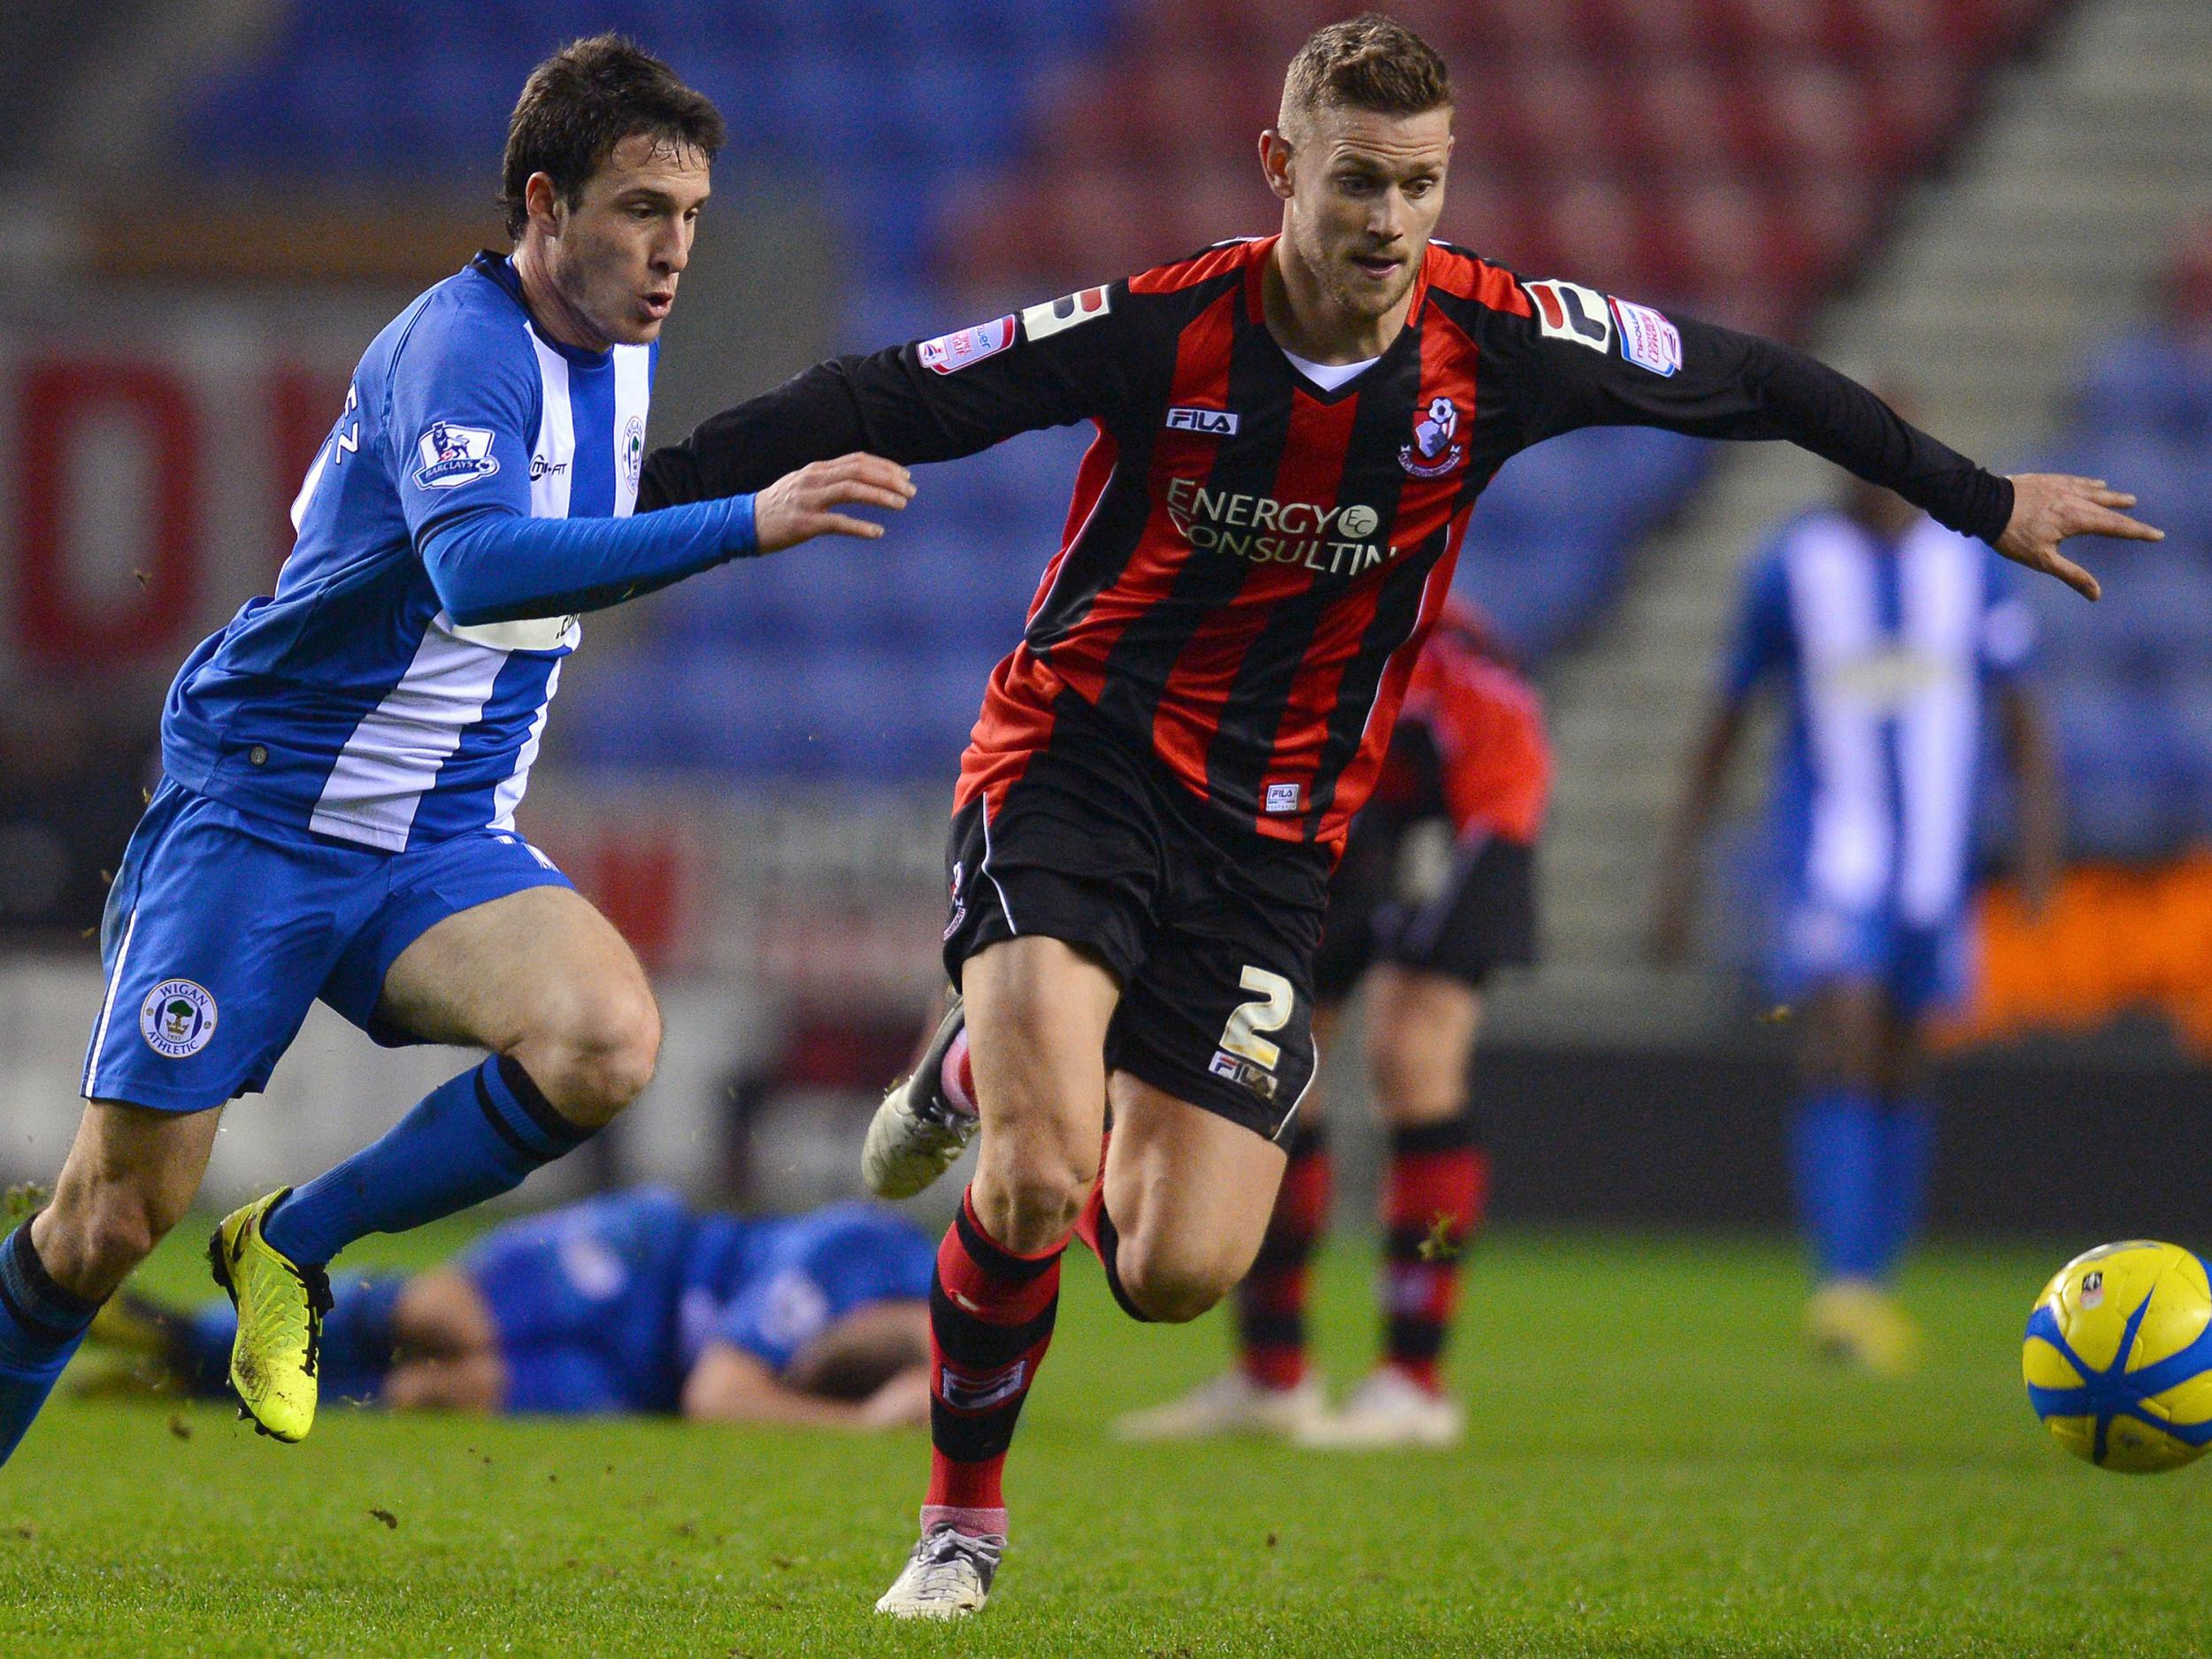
(1231,1404)
(1388,1409)
(919,1131)
(949,1575)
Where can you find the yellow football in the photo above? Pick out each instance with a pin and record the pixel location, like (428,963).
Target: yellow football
(2119,1358)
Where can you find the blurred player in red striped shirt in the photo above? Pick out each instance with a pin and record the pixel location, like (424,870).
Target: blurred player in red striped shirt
(1436,889)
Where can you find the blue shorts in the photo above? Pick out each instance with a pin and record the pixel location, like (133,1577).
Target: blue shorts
(584,1299)
(1922,970)
(222,927)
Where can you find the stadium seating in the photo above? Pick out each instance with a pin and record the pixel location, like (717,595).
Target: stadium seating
(2131,681)
(1737,156)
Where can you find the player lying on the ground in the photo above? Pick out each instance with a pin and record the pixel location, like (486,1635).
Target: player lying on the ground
(343,761)
(1890,639)
(627,1302)
(1437,887)
(1292,430)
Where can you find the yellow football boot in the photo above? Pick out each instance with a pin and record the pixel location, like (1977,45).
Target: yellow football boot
(280,1307)
(1858,1323)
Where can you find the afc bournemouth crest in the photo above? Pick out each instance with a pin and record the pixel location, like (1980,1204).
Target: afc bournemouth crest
(177,1018)
(1435,449)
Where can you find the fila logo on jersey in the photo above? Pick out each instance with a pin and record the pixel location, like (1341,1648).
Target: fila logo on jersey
(453,455)
(948,354)
(1648,339)
(1041,322)
(1207,422)
(177,1018)
(1567,310)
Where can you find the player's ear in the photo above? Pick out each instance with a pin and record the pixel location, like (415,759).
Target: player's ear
(542,200)
(1275,155)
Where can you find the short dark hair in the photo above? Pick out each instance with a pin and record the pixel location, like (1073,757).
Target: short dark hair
(1369,62)
(583,101)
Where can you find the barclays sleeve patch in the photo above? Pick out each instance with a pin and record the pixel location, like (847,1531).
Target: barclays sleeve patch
(1648,339)
(453,455)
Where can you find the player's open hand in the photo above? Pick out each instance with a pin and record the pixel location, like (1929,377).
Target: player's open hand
(801,505)
(2048,507)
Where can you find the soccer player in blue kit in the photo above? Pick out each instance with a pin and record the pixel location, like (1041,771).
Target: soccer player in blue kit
(1891,640)
(343,760)
(629,1302)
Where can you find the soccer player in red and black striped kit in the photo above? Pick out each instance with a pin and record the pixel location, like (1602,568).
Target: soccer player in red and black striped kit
(1436,889)
(1291,432)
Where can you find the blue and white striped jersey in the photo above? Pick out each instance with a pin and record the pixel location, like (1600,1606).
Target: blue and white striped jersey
(1887,650)
(349,703)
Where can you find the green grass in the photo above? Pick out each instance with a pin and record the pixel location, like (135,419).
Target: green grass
(1653,1468)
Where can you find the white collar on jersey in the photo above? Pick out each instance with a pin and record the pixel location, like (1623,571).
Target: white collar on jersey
(1329,376)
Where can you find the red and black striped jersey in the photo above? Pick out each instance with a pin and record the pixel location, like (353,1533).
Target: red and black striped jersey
(1470,743)
(1252,560)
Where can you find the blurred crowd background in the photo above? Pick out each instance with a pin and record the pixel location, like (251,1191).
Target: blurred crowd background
(212,205)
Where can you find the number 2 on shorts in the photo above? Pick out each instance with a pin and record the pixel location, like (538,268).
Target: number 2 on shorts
(1243,1035)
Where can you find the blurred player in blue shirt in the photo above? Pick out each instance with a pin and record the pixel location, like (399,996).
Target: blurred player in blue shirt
(627,1302)
(342,761)
(1890,641)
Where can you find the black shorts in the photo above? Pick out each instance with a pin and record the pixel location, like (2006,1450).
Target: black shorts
(1211,928)
(1408,892)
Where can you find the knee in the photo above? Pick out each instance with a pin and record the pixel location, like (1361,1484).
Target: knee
(593,1052)
(1417,1079)
(1173,1286)
(96,1232)
(1028,1196)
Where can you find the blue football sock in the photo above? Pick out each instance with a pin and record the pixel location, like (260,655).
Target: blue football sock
(41,1324)
(1835,1163)
(1908,1156)
(466,1140)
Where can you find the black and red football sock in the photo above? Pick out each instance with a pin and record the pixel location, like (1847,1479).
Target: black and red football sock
(990,1321)
(1271,1301)
(1434,1195)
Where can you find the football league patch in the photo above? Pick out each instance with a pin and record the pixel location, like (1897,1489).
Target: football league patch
(1567,310)
(1648,339)
(1040,322)
(948,354)
(177,1018)
(453,455)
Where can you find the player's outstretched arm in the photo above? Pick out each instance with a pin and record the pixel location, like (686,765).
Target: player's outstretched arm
(503,566)
(2049,507)
(932,400)
(1581,359)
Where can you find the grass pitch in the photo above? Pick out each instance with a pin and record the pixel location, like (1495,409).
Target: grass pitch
(1654,1468)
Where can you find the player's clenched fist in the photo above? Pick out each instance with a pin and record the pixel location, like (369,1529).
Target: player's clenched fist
(801,505)
(2048,507)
